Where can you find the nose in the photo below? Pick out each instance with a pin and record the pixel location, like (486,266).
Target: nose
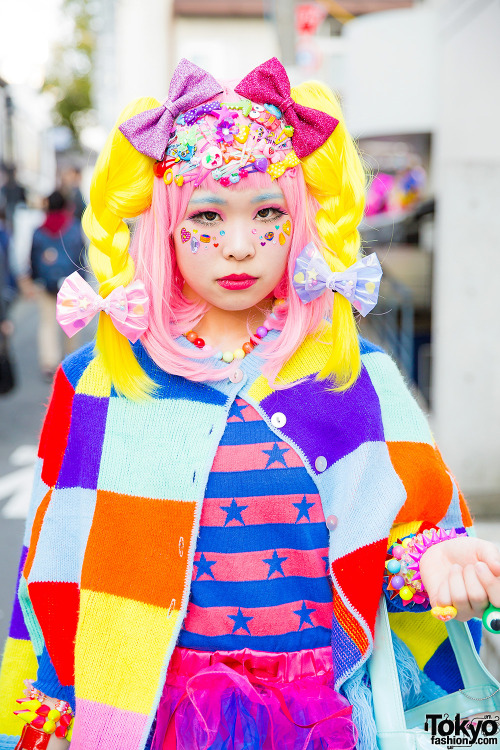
(239,243)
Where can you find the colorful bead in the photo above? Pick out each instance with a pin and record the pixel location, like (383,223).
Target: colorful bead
(159,168)
(393,566)
(228,357)
(54,715)
(65,720)
(406,593)
(239,354)
(397,582)
(191,336)
(38,722)
(247,347)
(200,343)
(43,710)
(261,332)
(398,551)
(49,726)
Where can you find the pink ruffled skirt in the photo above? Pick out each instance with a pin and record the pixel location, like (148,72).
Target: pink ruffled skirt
(252,700)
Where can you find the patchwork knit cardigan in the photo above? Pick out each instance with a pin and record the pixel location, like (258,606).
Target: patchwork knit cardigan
(111,534)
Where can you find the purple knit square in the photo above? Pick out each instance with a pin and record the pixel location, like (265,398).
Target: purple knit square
(335,424)
(17,627)
(80,466)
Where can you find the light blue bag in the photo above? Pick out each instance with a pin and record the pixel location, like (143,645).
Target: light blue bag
(404,730)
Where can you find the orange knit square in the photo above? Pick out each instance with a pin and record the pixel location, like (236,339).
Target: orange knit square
(35,532)
(428,485)
(134,548)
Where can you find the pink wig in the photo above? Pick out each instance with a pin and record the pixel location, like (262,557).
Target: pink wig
(172,314)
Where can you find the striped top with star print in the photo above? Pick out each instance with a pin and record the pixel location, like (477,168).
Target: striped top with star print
(260,576)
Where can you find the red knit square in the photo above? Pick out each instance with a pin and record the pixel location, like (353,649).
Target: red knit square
(55,430)
(56,607)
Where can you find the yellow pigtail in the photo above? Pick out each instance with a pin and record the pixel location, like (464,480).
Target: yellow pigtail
(122,188)
(334,176)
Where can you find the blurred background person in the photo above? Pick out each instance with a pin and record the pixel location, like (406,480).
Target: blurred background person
(71,181)
(55,253)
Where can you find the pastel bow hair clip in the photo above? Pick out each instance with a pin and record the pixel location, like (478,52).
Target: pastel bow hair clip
(360,283)
(77,304)
(269,84)
(149,131)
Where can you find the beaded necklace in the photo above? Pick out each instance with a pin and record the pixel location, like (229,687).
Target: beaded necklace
(247,347)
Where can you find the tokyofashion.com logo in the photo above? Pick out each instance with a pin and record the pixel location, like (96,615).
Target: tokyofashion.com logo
(456,731)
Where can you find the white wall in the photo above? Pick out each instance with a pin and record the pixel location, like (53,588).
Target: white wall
(227,47)
(466,335)
(389,81)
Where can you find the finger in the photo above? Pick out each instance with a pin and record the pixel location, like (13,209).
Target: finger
(443,598)
(458,592)
(489,582)
(488,553)
(476,593)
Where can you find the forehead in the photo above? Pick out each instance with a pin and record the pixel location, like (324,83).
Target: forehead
(216,195)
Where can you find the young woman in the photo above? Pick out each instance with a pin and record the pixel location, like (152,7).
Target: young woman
(222,475)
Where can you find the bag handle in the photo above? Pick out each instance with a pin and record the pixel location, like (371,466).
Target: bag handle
(480,693)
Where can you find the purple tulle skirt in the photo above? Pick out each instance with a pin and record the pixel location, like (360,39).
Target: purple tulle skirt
(251,700)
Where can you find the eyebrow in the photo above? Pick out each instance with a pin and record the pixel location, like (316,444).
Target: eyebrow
(268,197)
(209,199)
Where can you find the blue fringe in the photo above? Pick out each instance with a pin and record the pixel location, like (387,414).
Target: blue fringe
(358,692)
(416,687)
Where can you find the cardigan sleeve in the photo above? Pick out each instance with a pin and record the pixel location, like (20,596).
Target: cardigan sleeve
(26,653)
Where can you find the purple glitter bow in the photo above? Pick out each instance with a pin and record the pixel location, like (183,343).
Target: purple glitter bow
(269,84)
(149,131)
(359,283)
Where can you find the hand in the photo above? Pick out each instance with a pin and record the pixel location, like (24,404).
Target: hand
(464,572)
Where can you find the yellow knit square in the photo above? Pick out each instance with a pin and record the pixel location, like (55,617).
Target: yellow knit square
(19,664)
(421,632)
(401,530)
(95,381)
(309,359)
(120,650)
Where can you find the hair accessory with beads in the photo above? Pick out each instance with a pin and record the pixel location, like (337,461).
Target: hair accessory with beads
(190,86)
(403,568)
(77,304)
(228,140)
(359,283)
(269,83)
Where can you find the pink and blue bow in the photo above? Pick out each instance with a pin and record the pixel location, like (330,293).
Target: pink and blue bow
(269,84)
(360,283)
(149,131)
(77,303)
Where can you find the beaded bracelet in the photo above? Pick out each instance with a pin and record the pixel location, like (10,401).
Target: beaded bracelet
(40,717)
(403,564)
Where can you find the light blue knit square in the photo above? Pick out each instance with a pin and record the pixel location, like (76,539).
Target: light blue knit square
(360,490)
(137,456)
(402,418)
(63,538)
(38,492)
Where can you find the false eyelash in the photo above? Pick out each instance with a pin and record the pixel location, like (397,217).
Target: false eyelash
(278,209)
(197,217)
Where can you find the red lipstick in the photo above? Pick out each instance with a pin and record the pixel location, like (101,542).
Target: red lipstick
(236,281)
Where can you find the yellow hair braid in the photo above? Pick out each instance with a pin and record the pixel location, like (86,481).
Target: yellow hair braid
(334,176)
(122,188)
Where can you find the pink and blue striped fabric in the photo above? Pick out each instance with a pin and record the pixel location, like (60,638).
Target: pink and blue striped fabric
(260,577)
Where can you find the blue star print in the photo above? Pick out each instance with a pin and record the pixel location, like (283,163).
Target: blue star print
(233,511)
(240,621)
(236,410)
(274,563)
(204,566)
(303,509)
(276,454)
(303,613)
